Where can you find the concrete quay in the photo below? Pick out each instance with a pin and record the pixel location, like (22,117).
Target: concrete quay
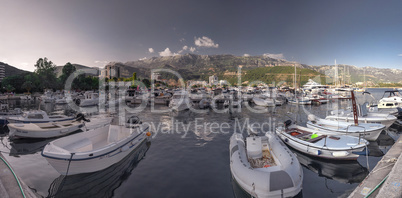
(9,187)
(385,180)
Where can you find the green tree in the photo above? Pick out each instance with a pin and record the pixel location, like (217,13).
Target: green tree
(68,69)
(9,88)
(27,85)
(45,69)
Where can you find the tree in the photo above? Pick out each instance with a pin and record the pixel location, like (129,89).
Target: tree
(68,69)
(27,85)
(45,69)
(9,88)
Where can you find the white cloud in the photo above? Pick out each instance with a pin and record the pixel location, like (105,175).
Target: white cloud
(205,42)
(151,50)
(143,58)
(167,52)
(399,54)
(101,62)
(246,55)
(275,56)
(183,49)
(192,49)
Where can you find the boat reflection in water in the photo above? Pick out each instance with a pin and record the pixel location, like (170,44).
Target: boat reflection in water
(341,171)
(98,184)
(27,146)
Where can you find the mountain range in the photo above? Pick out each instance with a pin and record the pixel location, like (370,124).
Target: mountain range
(200,67)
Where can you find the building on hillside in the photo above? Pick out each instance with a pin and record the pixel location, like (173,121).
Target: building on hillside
(156,76)
(198,83)
(2,72)
(223,82)
(213,80)
(117,71)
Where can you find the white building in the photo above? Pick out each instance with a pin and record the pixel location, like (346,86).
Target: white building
(213,80)
(2,72)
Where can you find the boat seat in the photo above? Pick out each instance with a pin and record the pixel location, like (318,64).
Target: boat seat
(314,140)
(82,145)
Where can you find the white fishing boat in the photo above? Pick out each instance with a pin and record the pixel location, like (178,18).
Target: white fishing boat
(180,101)
(45,130)
(61,101)
(47,97)
(90,99)
(320,143)
(363,116)
(38,116)
(268,102)
(264,167)
(368,131)
(96,149)
(301,101)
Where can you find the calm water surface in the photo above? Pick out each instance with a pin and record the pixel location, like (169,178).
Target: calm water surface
(187,164)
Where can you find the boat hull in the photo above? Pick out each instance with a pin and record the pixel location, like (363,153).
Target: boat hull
(283,180)
(319,151)
(95,160)
(26,131)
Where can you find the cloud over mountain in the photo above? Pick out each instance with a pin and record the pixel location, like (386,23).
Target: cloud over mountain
(205,42)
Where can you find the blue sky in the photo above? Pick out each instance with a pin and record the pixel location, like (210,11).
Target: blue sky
(94,32)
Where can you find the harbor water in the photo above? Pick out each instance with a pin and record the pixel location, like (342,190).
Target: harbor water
(188,157)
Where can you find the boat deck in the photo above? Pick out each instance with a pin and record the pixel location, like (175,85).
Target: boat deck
(266,161)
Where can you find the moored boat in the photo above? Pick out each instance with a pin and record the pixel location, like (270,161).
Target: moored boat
(37,116)
(264,167)
(368,131)
(95,149)
(321,144)
(45,130)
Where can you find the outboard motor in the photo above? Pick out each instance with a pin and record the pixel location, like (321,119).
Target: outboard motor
(399,116)
(133,121)
(287,123)
(80,117)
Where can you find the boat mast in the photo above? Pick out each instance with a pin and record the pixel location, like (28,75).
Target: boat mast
(355,117)
(336,75)
(295,82)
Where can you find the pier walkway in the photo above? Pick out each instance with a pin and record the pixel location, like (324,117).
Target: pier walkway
(385,180)
(9,187)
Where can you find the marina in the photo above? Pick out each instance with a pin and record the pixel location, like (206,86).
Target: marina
(197,143)
(200,99)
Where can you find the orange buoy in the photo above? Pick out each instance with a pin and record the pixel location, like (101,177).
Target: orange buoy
(148,133)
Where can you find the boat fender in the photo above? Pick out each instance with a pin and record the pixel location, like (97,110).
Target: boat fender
(286,140)
(125,148)
(318,152)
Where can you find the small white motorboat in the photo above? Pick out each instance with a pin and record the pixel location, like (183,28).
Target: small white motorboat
(264,167)
(96,149)
(45,130)
(180,101)
(204,103)
(363,116)
(368,131)
(320,143)
(300,101)
(38,116)
(91,99)
(268,102)
(392,101)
